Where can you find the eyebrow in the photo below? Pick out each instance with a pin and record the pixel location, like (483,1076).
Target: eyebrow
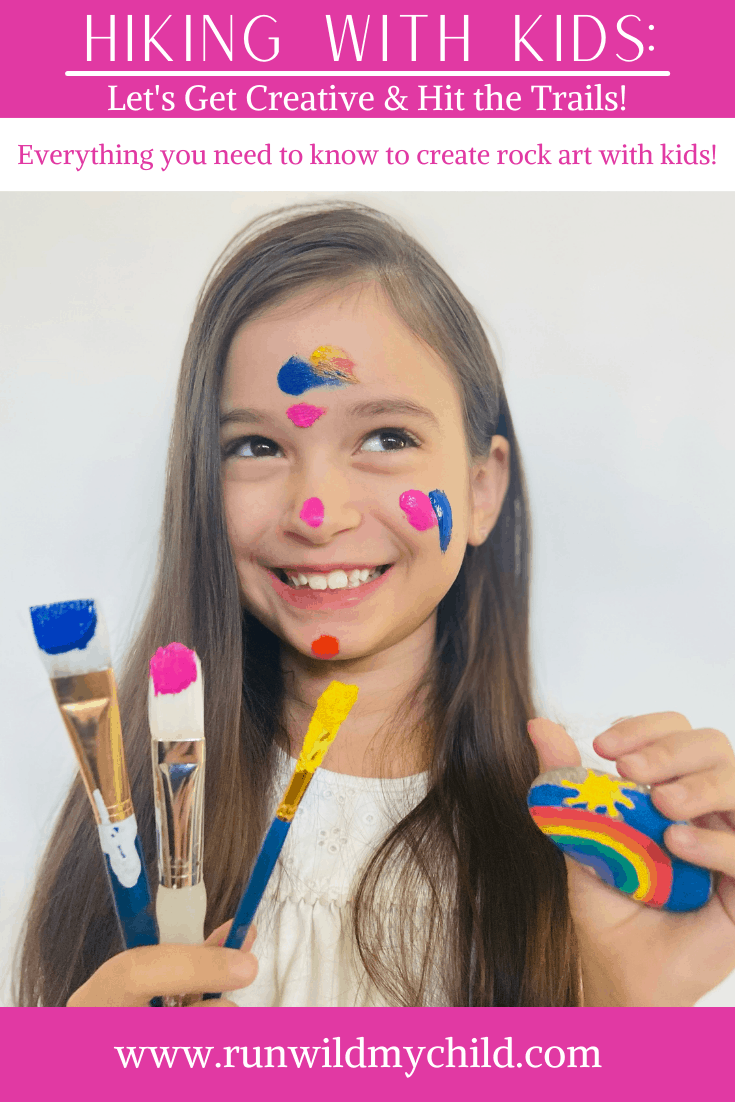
(380,406)
(242,417)
(376,407)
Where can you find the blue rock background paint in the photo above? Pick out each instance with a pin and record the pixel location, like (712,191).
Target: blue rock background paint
(65,626)
(297,376)
(442,508)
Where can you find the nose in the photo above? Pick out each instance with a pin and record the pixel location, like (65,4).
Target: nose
(320,507)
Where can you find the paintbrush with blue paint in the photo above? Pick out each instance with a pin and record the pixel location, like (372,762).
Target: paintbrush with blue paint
(73,643)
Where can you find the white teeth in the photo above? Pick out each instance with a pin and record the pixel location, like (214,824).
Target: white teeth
(336,579)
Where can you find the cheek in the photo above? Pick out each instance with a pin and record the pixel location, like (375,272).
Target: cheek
(248,513)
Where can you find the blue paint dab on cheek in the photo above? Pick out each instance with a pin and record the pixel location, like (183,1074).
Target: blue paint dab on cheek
(65,626)
(297,376)
(442,508)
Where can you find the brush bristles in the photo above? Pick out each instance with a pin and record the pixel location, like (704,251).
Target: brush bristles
(177,716)
(332,709)
(92,656)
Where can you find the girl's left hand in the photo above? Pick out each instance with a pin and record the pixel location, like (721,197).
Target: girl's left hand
(633,955)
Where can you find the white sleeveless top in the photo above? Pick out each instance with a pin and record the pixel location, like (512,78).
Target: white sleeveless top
(305,947)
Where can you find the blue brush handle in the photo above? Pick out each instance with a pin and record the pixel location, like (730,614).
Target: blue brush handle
(257,883)
(134,906)
(256,886)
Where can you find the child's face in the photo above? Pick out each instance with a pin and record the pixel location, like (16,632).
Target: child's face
(317,481)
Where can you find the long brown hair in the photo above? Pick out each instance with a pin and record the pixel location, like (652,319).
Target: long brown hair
(466,870)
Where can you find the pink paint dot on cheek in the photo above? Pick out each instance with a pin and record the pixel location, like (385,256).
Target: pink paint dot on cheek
(418,509)
(312,512)
(303,415)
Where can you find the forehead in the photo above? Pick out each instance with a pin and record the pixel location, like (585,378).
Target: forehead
(360,321)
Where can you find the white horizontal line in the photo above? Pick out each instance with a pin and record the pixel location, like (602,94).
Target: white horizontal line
(363,73)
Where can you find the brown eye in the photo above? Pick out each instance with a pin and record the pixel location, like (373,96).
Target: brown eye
(254,447)
(388,440)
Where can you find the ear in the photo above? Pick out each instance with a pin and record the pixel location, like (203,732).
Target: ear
(488,486)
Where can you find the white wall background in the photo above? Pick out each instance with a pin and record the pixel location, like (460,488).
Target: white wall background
(612,317)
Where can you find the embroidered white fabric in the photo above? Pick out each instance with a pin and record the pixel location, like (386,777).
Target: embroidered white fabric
(305,947)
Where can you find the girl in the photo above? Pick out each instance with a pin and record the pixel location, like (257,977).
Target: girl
(333,378)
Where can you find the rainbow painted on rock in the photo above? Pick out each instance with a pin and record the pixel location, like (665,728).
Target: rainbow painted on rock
(616,830)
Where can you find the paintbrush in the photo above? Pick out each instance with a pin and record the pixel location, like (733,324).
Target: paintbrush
(332,708)
(74,648)
(176,719)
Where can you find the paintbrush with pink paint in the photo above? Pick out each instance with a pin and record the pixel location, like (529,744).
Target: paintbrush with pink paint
(176,719)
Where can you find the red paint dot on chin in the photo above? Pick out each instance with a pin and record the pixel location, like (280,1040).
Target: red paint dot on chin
(326,646)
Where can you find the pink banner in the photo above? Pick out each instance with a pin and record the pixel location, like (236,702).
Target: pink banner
(496,1053)
(94,58)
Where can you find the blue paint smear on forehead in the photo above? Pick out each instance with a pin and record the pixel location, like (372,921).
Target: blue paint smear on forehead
(64,626)
(297,376)
(442,508)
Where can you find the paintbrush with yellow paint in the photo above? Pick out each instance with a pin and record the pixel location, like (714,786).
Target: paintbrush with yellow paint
(332,708)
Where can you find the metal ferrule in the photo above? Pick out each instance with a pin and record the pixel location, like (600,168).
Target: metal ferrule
(88,705)
(178,789)
(297,786)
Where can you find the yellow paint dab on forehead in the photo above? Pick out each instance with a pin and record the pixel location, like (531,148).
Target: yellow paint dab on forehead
(329,360)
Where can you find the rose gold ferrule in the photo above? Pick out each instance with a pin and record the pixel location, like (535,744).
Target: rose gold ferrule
(178,790)
(89,708)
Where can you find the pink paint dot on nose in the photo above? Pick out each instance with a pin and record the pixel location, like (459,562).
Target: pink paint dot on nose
(418,509)
(312,512)
(303,415)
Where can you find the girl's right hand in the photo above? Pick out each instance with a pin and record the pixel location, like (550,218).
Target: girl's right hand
(136,976)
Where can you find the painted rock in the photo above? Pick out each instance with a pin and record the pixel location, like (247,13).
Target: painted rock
(612,826)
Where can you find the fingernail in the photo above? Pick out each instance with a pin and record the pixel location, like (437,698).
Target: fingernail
(606,742)
(530,727)
(243,966)
(683,836)
(629,764)
(672,791)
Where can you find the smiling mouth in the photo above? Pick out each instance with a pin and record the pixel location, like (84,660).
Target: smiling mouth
(330,580)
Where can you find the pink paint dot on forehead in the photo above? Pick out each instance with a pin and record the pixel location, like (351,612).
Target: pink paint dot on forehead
(303,415)
(418,509)
(173,669)
(312,512)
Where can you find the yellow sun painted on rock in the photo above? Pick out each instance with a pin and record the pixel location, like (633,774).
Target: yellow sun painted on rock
(599,790)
